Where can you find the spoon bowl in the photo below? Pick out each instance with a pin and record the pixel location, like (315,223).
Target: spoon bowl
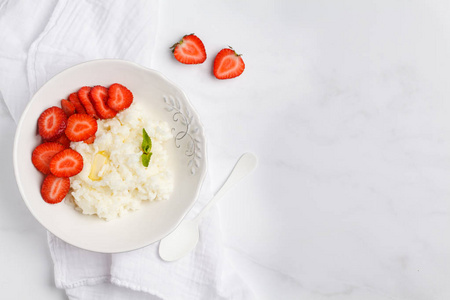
(185,237)
(181,241)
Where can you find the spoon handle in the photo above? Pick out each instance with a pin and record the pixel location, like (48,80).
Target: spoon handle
(243,167)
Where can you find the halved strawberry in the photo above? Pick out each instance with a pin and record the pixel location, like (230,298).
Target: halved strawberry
(66,163)
(83,96)
(51,123)
(67,107)
(228,64)
(54,189)
(43,154)
(90,140)
(99,97)
(119,97)
(80,127)
(79,108)
(190,50)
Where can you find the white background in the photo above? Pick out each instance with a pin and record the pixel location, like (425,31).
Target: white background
(346,105)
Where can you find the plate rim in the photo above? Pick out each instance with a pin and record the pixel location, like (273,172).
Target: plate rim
(145,69)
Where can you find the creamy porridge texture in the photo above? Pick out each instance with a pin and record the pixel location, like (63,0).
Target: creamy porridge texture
(113,180)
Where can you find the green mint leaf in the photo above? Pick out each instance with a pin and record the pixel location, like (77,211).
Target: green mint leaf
(146,142)
(145,157)
(146,149)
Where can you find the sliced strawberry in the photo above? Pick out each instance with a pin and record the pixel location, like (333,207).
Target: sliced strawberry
(83,96)
(52,123)
(90,140)
(99,97)
(79,108)
(80,127)
(190,50)
(119,97)
(66,163)
(228,64)
(67,107)
(54,189)
(64,140)
(43,154)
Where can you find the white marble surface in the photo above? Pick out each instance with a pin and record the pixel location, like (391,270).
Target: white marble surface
(345,103)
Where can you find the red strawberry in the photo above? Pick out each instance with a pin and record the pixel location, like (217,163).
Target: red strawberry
(99,97)
(83,96)
(190,50)
(119,97)
(90,140)
(79,108)
(51,123)
(228,64)
(66,163)
(80,127)
(54,189)
(64,140)
(43,154)
(67,107)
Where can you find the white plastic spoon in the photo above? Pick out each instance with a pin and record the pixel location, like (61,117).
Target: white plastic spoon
(185,237)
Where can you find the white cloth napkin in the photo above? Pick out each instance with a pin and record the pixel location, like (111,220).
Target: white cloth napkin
(42,38)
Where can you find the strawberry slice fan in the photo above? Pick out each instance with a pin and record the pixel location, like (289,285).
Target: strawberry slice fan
(58,159)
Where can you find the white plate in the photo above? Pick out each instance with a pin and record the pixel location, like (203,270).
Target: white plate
(164,101)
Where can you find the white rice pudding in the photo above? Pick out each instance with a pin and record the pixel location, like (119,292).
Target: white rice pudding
(122,182)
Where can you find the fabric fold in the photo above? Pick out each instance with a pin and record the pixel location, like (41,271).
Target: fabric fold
(72,32)
(84,30)
(17,37)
